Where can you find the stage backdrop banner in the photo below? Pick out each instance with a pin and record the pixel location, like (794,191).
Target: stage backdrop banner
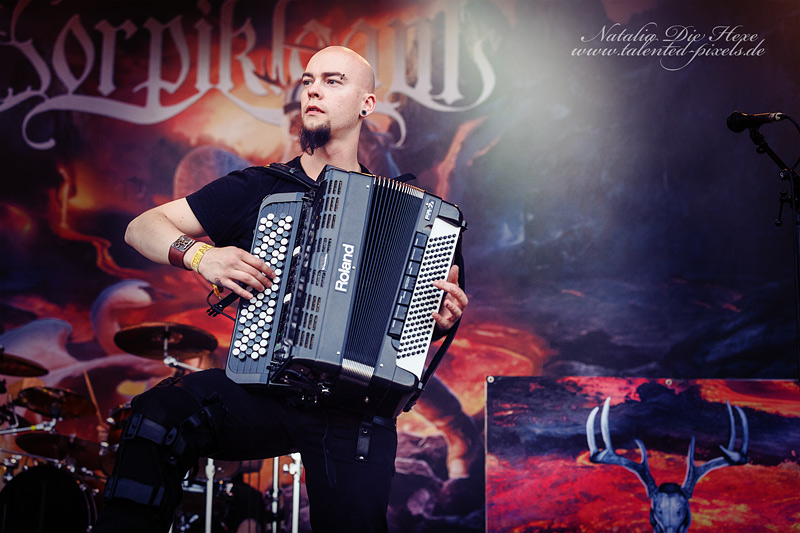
(542,476)
(616,225)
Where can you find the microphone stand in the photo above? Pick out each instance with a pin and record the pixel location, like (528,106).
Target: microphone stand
(792,177)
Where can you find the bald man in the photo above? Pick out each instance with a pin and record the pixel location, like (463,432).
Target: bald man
(206,414)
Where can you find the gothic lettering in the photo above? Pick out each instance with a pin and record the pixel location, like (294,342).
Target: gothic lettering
(224,49)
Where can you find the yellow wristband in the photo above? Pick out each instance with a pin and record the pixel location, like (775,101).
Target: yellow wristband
(198,255)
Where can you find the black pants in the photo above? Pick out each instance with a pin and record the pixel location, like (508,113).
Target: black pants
(246,422)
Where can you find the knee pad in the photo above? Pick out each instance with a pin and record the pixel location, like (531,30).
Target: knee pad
(164,437)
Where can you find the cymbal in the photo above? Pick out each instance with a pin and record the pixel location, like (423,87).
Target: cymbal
(149,339)
(82,453)
(13,365)
(55,403)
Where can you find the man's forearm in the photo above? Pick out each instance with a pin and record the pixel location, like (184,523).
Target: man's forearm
(153,232)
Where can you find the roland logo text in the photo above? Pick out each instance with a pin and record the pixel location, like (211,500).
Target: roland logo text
(343,280)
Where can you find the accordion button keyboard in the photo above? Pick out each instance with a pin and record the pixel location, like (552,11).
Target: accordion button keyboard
(256,318)
(418,324)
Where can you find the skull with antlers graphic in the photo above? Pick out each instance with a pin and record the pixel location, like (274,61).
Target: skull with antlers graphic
(669,502)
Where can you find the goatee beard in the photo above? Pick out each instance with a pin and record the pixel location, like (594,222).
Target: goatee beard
(310,140)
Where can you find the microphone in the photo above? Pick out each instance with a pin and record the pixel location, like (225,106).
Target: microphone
(738,122)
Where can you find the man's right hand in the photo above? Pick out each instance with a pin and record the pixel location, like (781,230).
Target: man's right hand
(225,266)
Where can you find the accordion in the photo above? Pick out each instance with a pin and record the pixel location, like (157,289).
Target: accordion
(348,317)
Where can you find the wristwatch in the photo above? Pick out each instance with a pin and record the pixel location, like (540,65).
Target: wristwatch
(178,249)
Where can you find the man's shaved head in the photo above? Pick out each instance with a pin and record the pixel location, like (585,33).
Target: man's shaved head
(353,64)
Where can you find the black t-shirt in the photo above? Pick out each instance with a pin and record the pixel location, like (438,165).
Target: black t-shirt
(227,208)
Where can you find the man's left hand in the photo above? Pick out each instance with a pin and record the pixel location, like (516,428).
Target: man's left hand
(454,302)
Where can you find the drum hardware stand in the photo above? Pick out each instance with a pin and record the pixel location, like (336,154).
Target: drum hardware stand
(182,523)
(10,465)
(209,492)
(295,470)
(179,367)
(42,426)
(274,495)
(171,361)
(791,198)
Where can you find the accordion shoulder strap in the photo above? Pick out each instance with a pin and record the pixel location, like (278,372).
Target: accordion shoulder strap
(281,171)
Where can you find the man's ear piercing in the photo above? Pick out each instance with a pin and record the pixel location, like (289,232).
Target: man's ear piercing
(363,112)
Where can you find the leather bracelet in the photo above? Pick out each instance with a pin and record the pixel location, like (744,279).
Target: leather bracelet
(178,249)
(198,255)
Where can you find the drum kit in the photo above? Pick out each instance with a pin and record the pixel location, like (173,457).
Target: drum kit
(53,482)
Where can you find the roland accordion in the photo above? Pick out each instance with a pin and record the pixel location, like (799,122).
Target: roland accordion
(348,317)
